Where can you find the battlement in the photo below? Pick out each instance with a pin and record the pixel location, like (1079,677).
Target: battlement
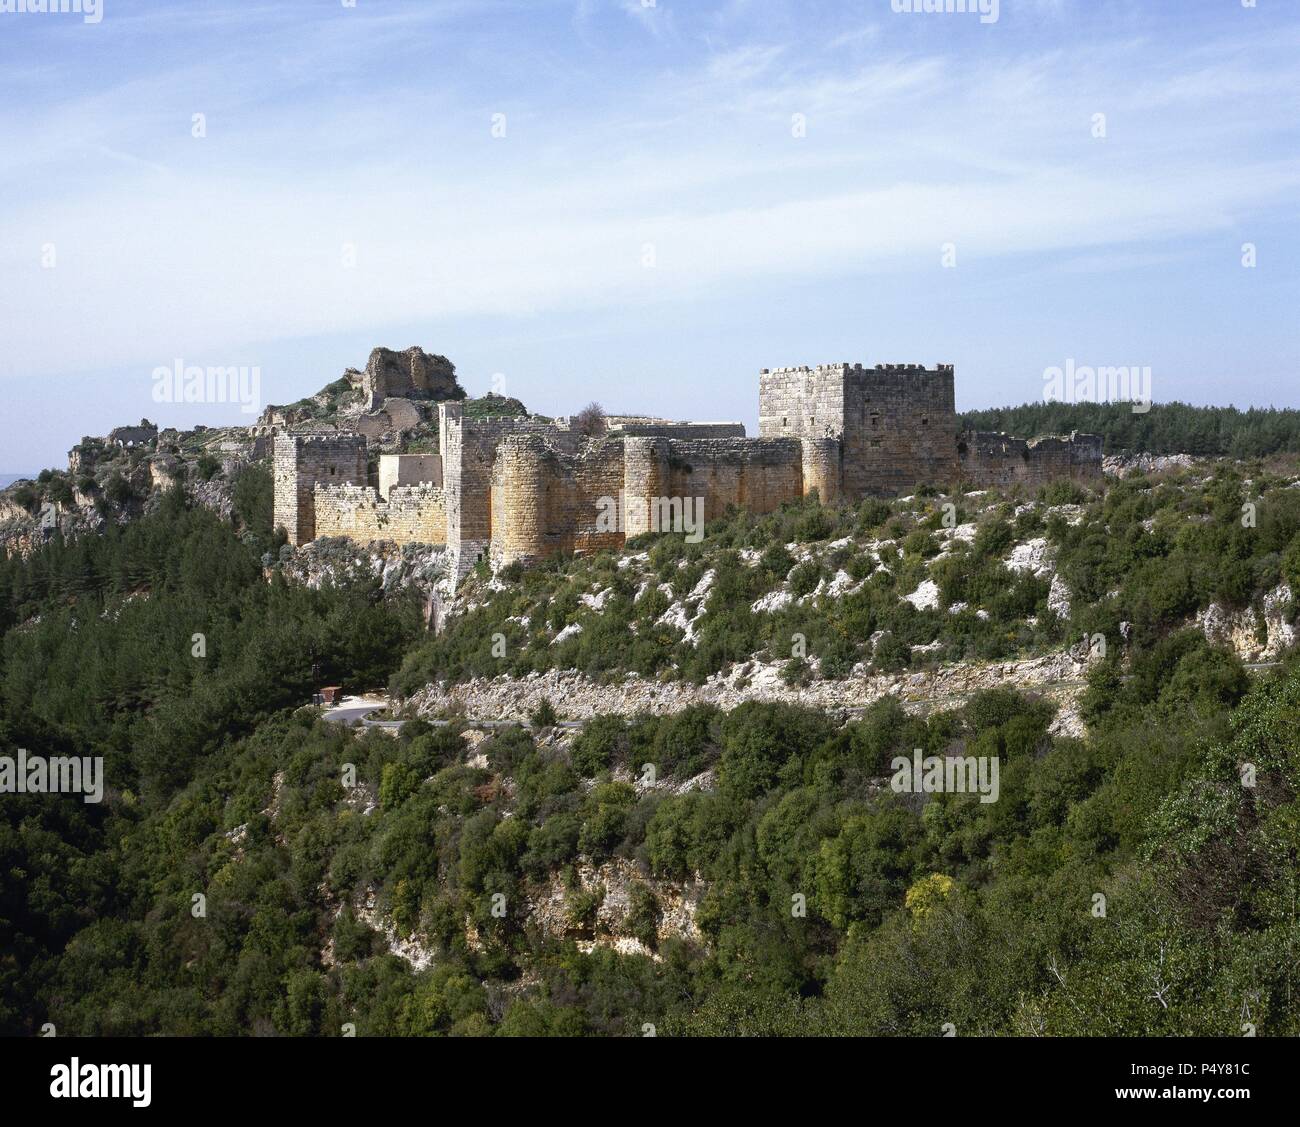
(845,367)
(299,463)
(412,514)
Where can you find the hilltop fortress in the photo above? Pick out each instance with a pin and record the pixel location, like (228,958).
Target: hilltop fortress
(518,489)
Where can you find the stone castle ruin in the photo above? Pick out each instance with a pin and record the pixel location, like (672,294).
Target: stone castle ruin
(518,489)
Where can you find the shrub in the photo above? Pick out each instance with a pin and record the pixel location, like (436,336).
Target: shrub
(544,715)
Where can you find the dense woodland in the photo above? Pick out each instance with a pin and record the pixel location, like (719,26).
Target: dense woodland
(918,913)
(1165,428)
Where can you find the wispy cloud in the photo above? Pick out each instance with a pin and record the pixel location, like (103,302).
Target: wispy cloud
(376,134)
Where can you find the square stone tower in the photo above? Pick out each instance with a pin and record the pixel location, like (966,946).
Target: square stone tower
(897,423)
(301,462)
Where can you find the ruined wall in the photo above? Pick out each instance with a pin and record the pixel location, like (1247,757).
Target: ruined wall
(990,459)
(388,420)
(142,435)
(413,374)
(413,514)
(301,462)
(408,469)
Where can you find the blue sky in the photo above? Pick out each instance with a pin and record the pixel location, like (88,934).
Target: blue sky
(350,192)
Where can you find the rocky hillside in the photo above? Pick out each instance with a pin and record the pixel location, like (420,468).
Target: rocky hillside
(836,607)
(725,844)
(111,480)
(393,401)
(119,477)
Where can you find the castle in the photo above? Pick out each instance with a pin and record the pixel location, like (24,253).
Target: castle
(519,489)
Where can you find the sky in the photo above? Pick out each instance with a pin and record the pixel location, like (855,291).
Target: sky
(641,203)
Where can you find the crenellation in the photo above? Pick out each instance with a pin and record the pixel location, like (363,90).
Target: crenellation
(411,514)
(301,461)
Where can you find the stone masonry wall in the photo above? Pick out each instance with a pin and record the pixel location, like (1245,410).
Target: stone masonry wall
(900,429)
(897,423)
(546,501)
(469,451)
(521,489)
(759,474)
(679,430)
(413,514)
(300,463)
(990,459)
(802,402)
(408,469)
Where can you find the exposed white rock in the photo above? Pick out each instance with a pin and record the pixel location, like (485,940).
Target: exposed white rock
(773,601)
(1057,675)
(548,906)
(1058,598)
(1239,630)
(596,602)
(963,532)
(411,949)
(1121,465)
(677,615)
(1035,556)
(843,584)
(570,631)
(702,588)
(925,597)
(1071,514)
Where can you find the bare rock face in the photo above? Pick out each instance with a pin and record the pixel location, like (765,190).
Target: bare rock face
(413,374)
(1121,465)
(1245,634)
(1057,676)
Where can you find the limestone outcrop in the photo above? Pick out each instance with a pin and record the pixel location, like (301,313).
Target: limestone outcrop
(412,374)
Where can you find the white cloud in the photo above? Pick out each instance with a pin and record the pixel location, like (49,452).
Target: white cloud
(169,245)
